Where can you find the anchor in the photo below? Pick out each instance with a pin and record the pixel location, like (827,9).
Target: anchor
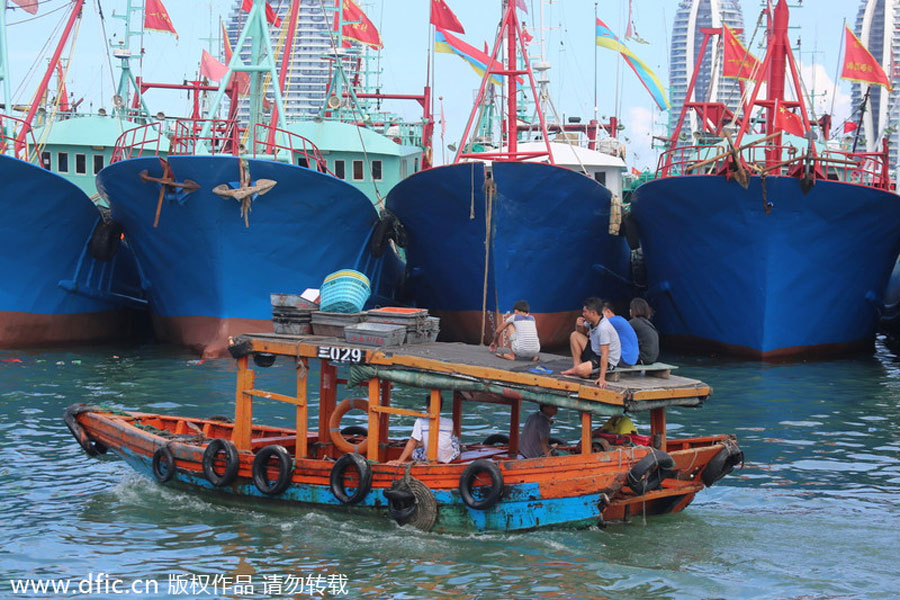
(246,192)
(167,180)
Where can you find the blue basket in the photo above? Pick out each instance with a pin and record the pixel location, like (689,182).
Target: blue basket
(344,291)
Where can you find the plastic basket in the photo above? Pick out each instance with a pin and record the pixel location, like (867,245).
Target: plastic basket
(344,291)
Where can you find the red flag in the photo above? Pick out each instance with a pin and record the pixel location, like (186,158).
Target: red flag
(29,6)
(860,65)
(520,4)
(241,79)
(364,30)
(788,121)
(635,171)
(526,37)
(211,68)
(850,127)
(62,93)
(157,18)
(443,17)
(271,17)
(738,63)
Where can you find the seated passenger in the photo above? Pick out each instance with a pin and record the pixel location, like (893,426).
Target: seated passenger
(523,337)
(417,446)
(647,336)
(594,344)
(535,439)
(627,336)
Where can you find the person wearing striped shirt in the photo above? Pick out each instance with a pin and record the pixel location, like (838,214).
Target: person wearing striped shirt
(523,337)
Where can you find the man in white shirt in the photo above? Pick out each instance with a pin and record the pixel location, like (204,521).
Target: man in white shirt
(594,344)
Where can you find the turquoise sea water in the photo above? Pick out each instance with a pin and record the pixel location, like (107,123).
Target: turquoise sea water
(813,514)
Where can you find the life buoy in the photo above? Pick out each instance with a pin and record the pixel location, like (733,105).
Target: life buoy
(105,240)
(496,438)
(334,425)
(232,462)
(263,359)
(722,464)
(337,481)
(487,495)
(163,464)
(648,473)
(261,470)
(90,446)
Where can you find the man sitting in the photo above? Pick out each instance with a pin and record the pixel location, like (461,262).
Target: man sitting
(627,336)
(594,344)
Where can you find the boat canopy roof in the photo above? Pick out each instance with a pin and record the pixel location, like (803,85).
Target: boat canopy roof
(84,130)
(573,155)
(335,136)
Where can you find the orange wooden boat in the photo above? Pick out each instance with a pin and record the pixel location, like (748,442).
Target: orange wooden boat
(488,488)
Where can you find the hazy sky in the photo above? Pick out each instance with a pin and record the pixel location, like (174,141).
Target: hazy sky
(569,47)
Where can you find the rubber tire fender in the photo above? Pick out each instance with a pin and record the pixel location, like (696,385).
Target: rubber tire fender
(336,480)
(722,464)
(261,470)
(355,430)
(467,480)
(334,425)
(105,240)
(401,505)
(232,462)
(381,233)
(163,456)
(630,231)
(496,438)
(648,473)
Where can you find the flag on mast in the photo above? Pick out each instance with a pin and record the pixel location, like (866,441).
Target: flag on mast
(478,60)
(443,17)
(240,79)
(156,17)
(358,27)
(788,121)
(29,6)
(607,39)
(211,68)
(859,64)
(738,62)
(271,17)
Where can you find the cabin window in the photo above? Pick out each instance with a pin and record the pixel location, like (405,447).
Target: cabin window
(81,164)
(376,170)
(416,166)
(600,176)
(339,169)
(98,163)
(404,169)
(302,161)
(62,162)
(45,159)
(358,170)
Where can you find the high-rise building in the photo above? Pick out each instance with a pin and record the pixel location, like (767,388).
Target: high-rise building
(310,69)
(687,40)
(876,27)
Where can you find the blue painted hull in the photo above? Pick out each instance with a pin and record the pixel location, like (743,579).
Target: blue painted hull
(809,276)
(53,291)
(207,275)
(548,244)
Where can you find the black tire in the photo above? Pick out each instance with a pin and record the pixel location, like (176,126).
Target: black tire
(630,230)
(467,484)
(351,430)
(381,234)
(263,359)
(261,470)
(163,464)
(496,438)
(232,462)
(722,464)
(105,240)
(339,489)
(648,473)
(401,505)
(557,441)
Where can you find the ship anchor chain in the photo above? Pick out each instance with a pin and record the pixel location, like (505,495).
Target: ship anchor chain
(246,193)
(167,181)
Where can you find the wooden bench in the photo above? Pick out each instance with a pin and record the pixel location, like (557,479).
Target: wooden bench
(476,453)
(657,369)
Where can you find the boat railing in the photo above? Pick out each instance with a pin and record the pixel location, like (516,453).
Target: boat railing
(138,141)
(863,168)
(17,139)
(280,144)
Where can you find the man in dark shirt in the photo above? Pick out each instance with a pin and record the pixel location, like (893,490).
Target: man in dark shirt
(648,337)
(535,439)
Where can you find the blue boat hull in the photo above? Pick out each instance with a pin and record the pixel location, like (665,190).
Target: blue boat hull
(53,291)
(547,242)
(805,277)
(208,276)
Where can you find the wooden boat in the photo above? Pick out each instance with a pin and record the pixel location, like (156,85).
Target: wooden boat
(487,488)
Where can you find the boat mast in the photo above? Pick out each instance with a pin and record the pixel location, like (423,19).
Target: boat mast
(126,77)
(4,68)
(261,62)
(51,68)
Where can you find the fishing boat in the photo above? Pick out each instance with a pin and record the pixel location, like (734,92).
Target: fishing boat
(68,278)
(508,222)
(318,464)
(762,243)
(219,216)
